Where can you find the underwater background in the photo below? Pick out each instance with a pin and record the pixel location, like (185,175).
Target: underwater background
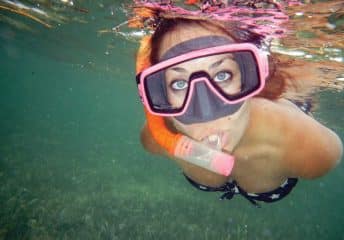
(71,162)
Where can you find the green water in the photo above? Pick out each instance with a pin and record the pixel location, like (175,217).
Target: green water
(71,163)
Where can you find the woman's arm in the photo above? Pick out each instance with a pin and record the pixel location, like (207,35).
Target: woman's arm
(312,149)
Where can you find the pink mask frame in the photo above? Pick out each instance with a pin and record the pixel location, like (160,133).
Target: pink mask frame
(260,57)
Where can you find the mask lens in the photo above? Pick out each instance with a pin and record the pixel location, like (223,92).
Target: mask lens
(244,80)
(233,75)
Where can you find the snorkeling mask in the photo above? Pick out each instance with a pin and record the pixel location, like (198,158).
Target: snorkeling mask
(203,95)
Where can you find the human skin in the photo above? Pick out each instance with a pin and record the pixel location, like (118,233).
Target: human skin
(270,140)
(222,68)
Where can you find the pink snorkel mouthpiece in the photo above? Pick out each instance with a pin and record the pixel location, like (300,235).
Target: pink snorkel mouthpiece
(222,164)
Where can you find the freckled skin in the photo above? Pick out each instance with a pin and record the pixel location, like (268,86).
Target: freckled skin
(270,140)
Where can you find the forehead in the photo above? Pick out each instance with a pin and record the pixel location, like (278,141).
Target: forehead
(208,62)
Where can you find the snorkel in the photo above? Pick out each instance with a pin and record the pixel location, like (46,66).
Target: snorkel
(176,144)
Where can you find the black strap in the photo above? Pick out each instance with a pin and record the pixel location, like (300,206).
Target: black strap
(232,188)
(229,189)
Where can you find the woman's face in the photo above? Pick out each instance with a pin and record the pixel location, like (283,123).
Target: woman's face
(225,132)
(221,68)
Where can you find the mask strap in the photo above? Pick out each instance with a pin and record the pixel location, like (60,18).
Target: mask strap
(195,44)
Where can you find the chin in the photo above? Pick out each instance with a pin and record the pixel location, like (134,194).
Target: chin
(229,129)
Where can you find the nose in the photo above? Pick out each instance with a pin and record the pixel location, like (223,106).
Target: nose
(204,101)
(205,105)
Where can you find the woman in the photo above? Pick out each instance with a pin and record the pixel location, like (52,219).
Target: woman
(221,100)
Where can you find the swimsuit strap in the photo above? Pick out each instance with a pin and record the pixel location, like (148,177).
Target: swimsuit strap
(232,188)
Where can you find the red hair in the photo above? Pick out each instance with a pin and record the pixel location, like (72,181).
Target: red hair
(276,82)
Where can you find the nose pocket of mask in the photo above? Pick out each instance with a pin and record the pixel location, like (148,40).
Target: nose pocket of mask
(204,105)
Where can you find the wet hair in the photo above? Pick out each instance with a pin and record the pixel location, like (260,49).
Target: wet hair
(169,25)
(276,82)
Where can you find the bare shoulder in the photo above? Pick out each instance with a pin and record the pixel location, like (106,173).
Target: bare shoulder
(310,149)
(279,106)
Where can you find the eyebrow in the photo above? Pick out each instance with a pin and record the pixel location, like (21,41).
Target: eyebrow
(217,63)
(213,65)
(179,69)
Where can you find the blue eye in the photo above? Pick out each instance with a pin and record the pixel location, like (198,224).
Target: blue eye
(179,85)
(222,76)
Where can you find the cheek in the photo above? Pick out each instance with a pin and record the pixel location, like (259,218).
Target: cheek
(236,122)
(237,83)
(234,87)
(174,99)
(242,112)
(192,130)
(182,128)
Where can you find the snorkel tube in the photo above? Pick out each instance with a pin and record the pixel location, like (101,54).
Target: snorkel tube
(176,144)
(156,124)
